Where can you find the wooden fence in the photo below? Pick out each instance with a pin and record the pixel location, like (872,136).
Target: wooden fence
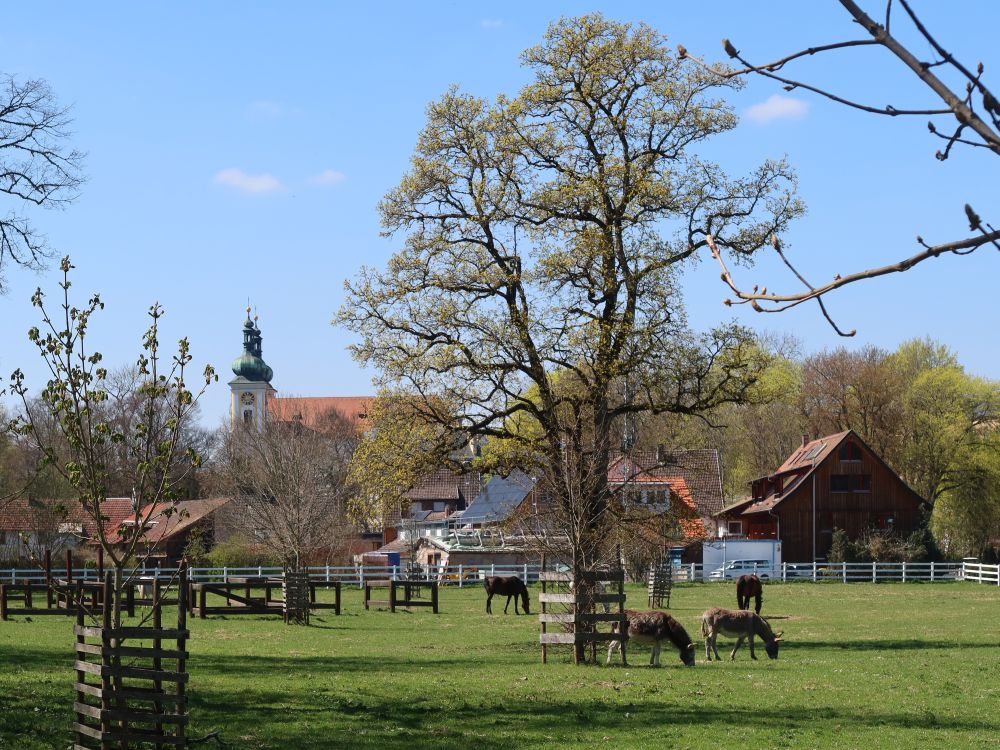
(131,695)
(411,594)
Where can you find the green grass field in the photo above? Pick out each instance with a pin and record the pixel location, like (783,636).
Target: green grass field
(863,666)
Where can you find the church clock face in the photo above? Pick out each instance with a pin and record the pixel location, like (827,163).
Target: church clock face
(247,399)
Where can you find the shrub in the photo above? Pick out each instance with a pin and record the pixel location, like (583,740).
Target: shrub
(239,552)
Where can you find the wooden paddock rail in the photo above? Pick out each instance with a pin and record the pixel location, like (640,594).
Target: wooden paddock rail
(371,586)
(410,591)
(240,599)
(57,597)
(579,622)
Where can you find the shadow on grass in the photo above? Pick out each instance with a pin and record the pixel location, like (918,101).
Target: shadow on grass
(331,721)
(904,644)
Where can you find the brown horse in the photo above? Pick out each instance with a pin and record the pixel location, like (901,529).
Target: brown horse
(747,586)
(509,586)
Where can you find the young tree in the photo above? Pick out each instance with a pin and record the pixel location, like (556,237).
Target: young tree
(80,443)
(545,238)
(36,166)
(288,484)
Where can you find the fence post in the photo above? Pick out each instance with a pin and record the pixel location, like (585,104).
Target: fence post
(874,572)
(461,575)
(814,571)
(327,573)
(225,574)
(692,572)
(932,571)
(784,572)
(395,571)
(493,569)
(904,571)
(361,577)
(844,569)
(526,574)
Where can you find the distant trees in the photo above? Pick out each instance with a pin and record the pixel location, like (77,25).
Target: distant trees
(936,425)
(37,166)
(545,236)
(289,486)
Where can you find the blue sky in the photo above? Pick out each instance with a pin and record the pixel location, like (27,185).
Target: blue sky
(238,151)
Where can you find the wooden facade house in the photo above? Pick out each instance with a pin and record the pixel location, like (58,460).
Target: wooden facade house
(833,482)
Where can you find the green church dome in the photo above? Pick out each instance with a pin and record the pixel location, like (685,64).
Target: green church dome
(252,367)
(250,364)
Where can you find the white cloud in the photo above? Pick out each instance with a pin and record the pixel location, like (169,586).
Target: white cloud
(328,177)
(777,107)
(248,183)
(491,23)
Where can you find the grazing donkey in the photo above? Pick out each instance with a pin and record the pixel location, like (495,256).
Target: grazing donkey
(747,586)
(509,586)
(653,627)
(740,625)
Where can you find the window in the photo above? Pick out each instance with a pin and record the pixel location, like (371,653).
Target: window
(840,483)
(861,483)
(735,528)
(658,497)
(850,452)
(247,416)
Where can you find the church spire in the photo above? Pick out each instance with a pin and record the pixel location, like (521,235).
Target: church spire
(250,364)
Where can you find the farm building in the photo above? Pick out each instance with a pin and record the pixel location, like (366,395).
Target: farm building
(167,532)
(833,482)
(30,526)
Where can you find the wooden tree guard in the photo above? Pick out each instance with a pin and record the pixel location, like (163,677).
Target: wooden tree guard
(295,590)
(661,579)
(579,621)
(133,700)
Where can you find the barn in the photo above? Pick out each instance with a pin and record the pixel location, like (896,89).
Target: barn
(833,482)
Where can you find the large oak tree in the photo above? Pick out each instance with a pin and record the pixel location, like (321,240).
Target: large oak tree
(545,238)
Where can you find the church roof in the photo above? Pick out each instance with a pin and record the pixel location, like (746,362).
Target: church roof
(309,410)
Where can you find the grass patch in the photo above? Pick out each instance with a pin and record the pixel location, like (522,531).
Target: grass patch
(865,666)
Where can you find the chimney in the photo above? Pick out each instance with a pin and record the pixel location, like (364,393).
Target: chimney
(805,440)
(661,453)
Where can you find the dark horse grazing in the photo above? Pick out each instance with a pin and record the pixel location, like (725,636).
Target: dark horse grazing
(747,586)
(654,627)
(509,586)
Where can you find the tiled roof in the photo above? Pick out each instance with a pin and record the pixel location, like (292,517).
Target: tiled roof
(23,514)
(812,453)
(160,528)
(310,409)
(699,468)
(443,485)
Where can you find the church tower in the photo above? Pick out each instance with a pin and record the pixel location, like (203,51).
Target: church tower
(251,388)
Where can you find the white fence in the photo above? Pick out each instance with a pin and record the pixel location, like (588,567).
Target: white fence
(472,575)
(458,575)
(981,573)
